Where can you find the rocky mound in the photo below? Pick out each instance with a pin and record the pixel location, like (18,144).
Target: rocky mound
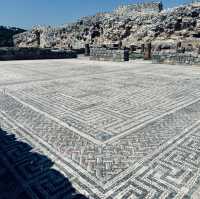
(129,25)
(6,35)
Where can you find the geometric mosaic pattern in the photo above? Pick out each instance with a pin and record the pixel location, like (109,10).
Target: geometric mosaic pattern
(26,174)
(116,130)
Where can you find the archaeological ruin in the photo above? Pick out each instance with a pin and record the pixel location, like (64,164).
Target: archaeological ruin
(14,53)
(129,25)
(106,107)
(109,54)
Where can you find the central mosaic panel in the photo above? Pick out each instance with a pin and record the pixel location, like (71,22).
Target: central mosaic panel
(108,106)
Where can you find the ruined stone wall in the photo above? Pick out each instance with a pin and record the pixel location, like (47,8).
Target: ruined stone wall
(129,28)
(34,53)
(152,7)
(176,58)
(48,37)
(136,55)
(104,54)
(29,39)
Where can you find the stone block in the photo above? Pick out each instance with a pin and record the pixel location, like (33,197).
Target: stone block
(105,54)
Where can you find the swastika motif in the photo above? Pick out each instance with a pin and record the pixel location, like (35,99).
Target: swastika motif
(121,130)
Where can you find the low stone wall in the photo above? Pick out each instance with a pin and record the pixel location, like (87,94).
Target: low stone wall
(79,51)
(104,54)
(34,53)
(176,58)
(136,55)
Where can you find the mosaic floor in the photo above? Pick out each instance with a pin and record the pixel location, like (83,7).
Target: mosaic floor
(115,130)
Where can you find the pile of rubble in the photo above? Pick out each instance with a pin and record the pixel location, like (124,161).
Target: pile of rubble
(163,28)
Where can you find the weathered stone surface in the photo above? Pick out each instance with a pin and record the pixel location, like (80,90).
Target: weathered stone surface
(10,53)
(115,130)
(106,54)
(28,39)
(163,28)
(176,58)
(148,51)
(136,55)
(87,49)
(128,10)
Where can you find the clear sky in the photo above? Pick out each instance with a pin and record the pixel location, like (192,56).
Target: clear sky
(27,13)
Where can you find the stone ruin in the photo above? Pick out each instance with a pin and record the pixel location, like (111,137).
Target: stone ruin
(109,54)
(151,7)
(182,53)
(13,53)
(102,28)
(133,25)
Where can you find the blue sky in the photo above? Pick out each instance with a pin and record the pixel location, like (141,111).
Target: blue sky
(26,13)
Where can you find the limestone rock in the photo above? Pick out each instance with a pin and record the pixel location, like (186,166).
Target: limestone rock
(28,39)
(130,25)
